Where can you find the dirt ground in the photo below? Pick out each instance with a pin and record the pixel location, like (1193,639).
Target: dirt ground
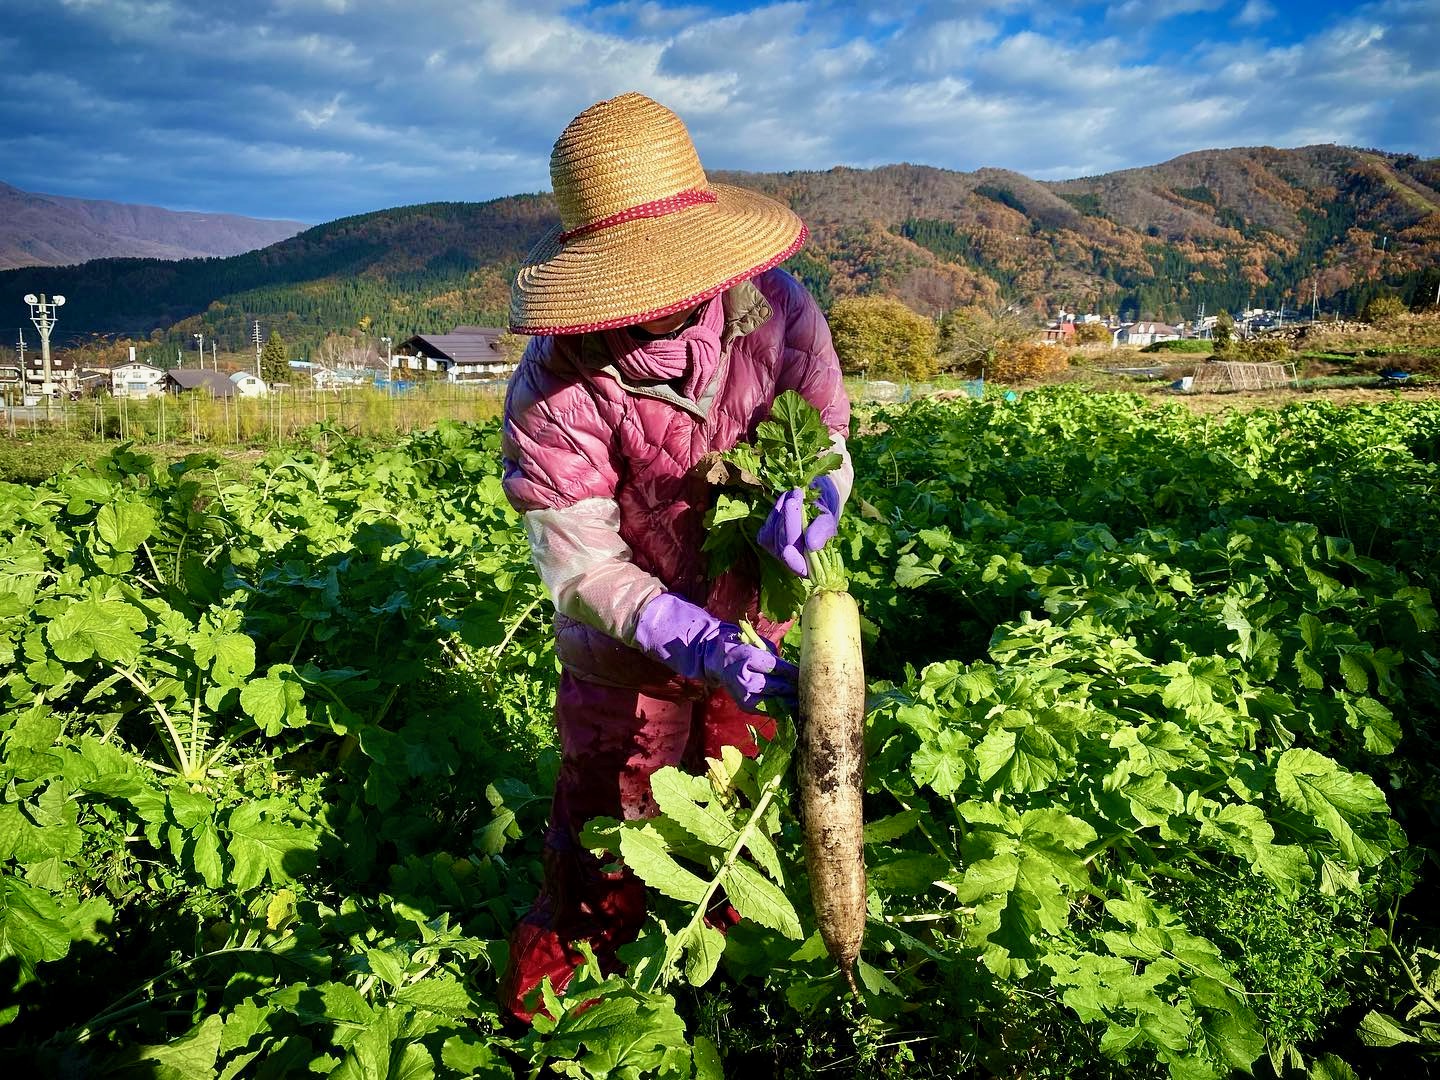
(1243,400)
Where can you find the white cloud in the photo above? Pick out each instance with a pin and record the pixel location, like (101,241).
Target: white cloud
(648,17)
(334,7)
(1154,11)
(320,117)
(314,108)
(1254,13)
(948,44)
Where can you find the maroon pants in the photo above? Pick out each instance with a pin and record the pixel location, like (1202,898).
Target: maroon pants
(611,741)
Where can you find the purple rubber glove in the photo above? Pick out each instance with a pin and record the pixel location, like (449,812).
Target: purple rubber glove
(696,645)
(782,535)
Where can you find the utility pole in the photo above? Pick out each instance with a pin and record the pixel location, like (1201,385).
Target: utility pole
(20,347)
(200,349)
(42,314)
(255,336)
(214,354)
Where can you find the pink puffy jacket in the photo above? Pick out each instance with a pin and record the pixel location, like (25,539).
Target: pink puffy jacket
(584,448)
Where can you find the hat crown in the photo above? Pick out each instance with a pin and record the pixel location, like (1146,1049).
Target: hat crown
(619,154)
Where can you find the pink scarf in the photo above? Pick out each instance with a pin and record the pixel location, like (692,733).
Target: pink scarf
(693,354)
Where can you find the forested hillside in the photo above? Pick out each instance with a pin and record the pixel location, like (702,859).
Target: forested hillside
(54,230)
(1227,228)
(413,268)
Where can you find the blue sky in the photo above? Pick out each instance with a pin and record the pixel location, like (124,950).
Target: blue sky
(314,109)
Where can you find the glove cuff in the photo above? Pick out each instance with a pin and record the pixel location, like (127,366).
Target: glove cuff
(675,632)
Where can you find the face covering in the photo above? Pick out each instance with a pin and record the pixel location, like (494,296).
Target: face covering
(692,355)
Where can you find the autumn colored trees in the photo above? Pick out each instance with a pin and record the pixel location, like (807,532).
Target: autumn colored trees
(880,338)
(1093,333)
(1383,309)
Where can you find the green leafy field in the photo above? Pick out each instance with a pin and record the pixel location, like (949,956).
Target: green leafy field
(1151,788)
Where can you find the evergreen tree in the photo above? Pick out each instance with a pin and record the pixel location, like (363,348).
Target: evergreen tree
(274,365)
(1224,333)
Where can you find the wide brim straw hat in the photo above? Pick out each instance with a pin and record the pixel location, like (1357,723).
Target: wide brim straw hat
(643,233)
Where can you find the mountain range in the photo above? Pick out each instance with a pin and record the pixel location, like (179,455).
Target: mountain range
(1224,228)
(55,230)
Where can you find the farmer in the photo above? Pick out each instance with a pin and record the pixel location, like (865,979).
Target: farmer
(661,331)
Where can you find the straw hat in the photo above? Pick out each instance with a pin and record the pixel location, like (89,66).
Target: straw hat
(642,233)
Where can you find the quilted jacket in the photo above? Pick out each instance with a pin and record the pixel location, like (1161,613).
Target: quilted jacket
(576,430)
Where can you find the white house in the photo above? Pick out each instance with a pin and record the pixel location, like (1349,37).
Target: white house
(1146,333)
(247,385)
(466,354)
(64,375)
(403,362)
(136,380)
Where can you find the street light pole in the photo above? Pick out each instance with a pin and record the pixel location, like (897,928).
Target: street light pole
(42,314)
(389,373)
(200,349)
(20,345)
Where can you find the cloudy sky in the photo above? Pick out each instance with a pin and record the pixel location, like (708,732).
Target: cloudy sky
(313,109)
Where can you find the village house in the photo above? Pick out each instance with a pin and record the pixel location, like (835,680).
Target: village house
(1146,333)
(1058,334)
(64,375)
(136,380)
(247,385)
(1252,319)
(466,354)
(181,380)
(415,361)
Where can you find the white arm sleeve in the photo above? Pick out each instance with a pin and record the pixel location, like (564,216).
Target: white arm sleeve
(588,568)
(844,476)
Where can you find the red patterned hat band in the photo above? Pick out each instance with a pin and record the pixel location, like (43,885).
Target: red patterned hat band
(657,208)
